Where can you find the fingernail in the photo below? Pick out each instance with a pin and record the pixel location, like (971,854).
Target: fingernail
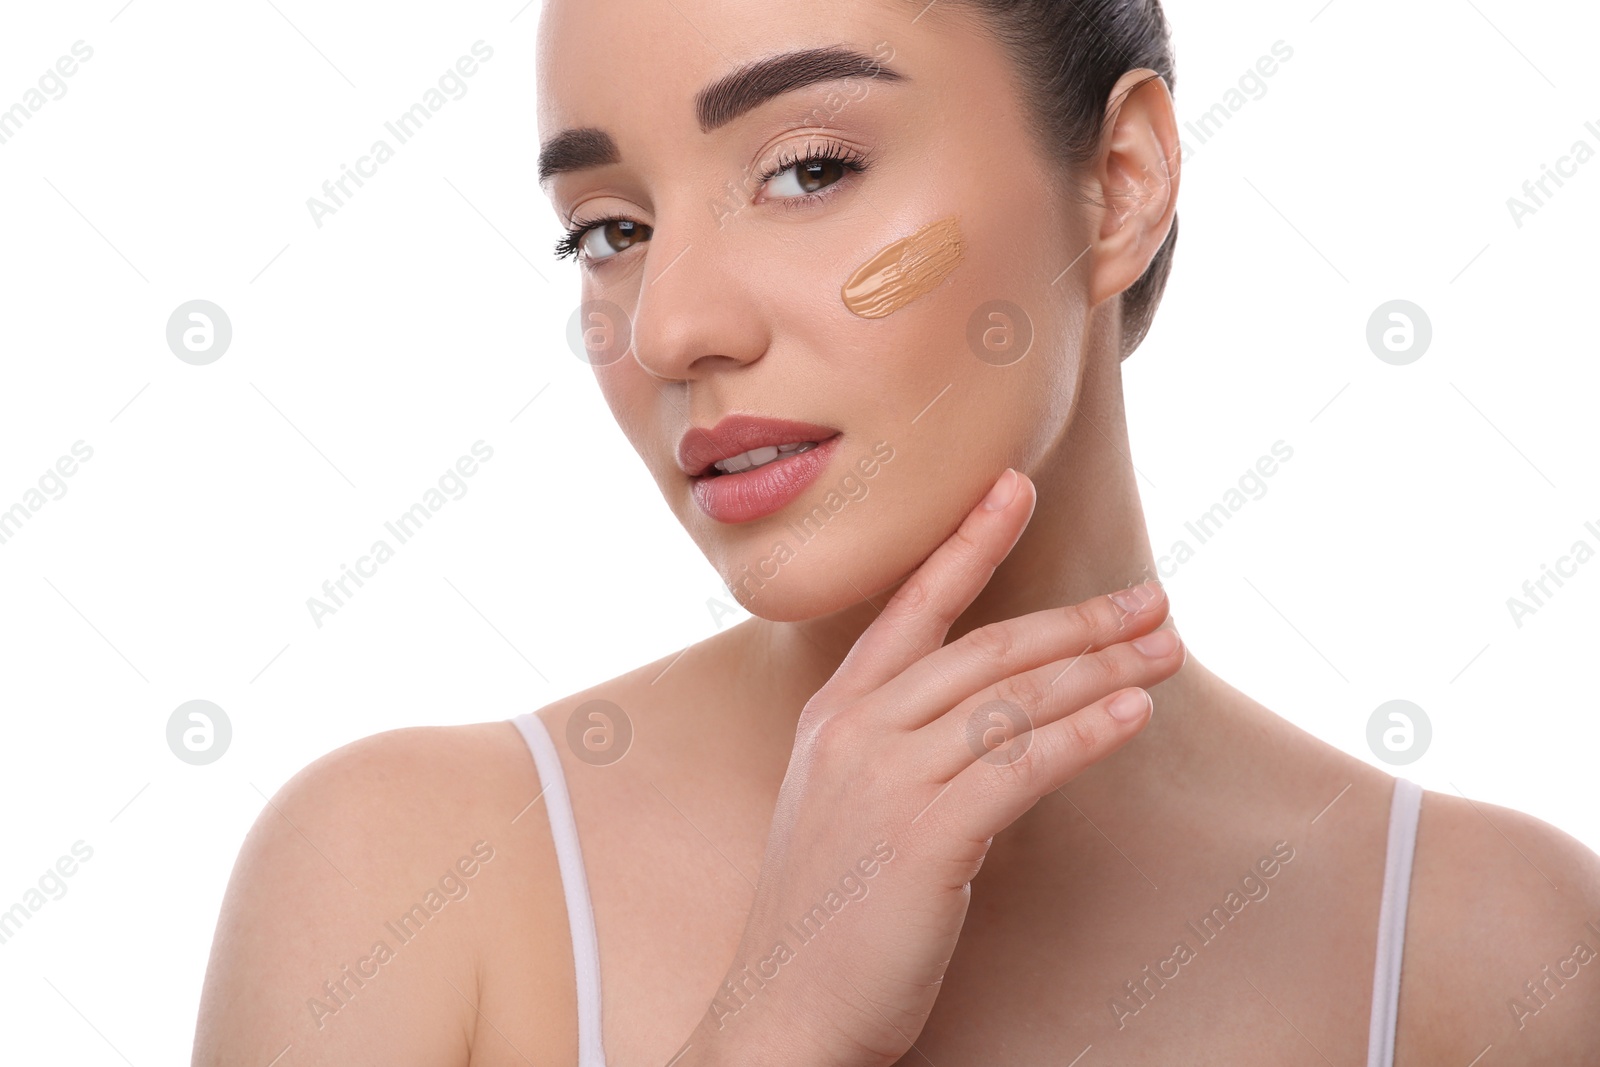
(1138,597)
(1130,705)
(1004,491)
(1158,643)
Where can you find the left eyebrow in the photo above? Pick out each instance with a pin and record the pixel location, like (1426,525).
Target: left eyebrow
(747,88)
(723,101)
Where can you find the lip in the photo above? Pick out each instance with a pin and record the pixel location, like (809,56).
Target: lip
(753,494)
(699,448)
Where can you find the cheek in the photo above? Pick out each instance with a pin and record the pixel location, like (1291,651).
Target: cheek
(634,406)
(905,271)
(964,325)
(1015,308)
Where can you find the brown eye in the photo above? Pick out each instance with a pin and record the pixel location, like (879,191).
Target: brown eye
(819,173)
(619,234)
(805,177)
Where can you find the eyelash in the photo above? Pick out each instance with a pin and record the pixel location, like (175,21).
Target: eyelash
(847,157)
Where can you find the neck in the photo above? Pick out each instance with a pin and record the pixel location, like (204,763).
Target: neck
(1086,538)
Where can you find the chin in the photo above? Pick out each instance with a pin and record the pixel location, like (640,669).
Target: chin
(781,578)
(855,535)
(799,593)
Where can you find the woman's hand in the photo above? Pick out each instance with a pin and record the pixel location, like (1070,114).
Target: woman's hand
(905,765)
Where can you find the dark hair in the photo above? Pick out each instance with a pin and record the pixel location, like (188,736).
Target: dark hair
(1070,54)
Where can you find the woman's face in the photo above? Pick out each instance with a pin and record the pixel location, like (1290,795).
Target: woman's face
(733,289)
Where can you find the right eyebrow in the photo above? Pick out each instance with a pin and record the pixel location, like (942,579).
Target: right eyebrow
(723,101)
(577,149)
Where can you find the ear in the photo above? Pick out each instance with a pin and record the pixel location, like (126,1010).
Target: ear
(1135,179)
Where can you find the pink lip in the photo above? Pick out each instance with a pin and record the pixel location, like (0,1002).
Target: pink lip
(752,494)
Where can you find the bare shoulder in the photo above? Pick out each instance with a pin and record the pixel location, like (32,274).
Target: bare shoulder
(1502,939)
(391,896)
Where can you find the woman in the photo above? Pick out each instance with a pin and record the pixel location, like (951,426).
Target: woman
(854,279)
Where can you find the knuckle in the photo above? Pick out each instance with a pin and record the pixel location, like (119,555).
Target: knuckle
(993,729)
(816,711)
(1024,770)
(829,736)
(914,596)
(967,546)
(1090,620)
(1079,734)
(993,642)
(1026,691)
(1111,668)
(1088,673)
(1095,674)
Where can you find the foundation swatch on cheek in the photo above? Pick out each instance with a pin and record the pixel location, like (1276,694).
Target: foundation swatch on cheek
(905,270)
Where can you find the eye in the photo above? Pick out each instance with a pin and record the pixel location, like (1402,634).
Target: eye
(591,238)
(803,178)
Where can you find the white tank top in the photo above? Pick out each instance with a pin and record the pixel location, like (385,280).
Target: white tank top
(1404,806)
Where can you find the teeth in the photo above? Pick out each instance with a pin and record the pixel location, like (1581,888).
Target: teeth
(760,457)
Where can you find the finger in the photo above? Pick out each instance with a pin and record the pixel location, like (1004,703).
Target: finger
(930,687)
(988,796)
(919,615)
(999,724)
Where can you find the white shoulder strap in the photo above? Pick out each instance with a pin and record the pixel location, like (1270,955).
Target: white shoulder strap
(1404,807)
(580,915)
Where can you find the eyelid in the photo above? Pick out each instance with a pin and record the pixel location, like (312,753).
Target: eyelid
(798,144)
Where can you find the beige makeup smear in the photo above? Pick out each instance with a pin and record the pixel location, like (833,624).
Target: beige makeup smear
(905,270)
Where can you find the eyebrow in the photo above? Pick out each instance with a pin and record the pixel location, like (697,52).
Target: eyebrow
(723,101)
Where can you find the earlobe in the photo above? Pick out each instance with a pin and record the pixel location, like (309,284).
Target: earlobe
(1137,176)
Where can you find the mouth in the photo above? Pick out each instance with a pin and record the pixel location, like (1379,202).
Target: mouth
(756,458)
(743,443)
(746,467)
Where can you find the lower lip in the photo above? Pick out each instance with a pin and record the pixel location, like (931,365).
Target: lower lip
(751,495)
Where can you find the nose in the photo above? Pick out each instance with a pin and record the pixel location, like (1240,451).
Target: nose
(698,309)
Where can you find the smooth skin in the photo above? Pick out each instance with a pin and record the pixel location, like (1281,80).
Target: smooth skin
(924,753)
(770,757)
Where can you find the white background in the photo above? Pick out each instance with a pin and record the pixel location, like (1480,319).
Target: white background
(429,313)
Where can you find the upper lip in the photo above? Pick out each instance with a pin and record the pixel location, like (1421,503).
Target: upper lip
(699,448)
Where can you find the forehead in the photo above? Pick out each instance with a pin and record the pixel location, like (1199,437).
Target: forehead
(639,65)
